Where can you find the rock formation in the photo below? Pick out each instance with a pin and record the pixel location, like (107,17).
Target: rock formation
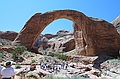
(94,36)
(70,45)
(116,22)
(62,41)
(8,35)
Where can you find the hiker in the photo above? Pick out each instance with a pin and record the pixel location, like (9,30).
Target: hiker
(0,67)
(63,65)
(48,65)
(66,65)
(7,72)
(43,66)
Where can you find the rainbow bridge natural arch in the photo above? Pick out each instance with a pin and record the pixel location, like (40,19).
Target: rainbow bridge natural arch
(96,36)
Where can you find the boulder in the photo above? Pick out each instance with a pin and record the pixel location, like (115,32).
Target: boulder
(32,67)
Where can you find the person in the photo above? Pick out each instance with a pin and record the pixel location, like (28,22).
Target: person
(43,66)
(63,65)
(66,65)
(7,72)
(0,67)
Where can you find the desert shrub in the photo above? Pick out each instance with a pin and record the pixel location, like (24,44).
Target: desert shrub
(32,75)
(56,76)
(25,54)
(63,76)
(118,57)
(18,51)
(17,66)
(61,56)
(33,61)
(51,54)
(1,57)
(77,76)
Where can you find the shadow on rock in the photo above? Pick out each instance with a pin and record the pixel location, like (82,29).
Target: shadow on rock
(102,58)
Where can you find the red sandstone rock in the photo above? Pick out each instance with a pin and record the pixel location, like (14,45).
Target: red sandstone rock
(9,35)
(93,36)
(70,45)
(32,67)
(49,36)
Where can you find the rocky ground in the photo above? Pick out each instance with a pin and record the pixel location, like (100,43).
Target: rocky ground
(97,67)
(81,65)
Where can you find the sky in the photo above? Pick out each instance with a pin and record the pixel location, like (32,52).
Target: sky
(15,13)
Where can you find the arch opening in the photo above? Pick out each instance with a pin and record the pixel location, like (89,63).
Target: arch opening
(58,24)
(58,38)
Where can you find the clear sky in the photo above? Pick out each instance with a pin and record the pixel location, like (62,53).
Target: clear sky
(15,13)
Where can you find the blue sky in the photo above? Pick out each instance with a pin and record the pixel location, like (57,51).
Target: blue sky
(15,13)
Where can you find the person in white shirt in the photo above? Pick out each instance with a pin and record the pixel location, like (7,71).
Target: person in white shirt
(7,72)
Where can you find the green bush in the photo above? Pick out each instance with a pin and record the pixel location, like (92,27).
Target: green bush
(32,74)
(18,51)
(61,56)
(25,54)
(64,76)
(32,61)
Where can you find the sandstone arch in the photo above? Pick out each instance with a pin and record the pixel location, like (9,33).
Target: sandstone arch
(97,36)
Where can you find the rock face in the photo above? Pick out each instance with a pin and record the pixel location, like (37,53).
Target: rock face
(63,41)
(116,22)
(9,35)
(70,45)
(94,36)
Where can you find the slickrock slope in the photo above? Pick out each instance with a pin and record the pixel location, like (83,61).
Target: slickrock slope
(92,36)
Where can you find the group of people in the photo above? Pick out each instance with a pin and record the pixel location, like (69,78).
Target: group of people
(53,66)
(7,72)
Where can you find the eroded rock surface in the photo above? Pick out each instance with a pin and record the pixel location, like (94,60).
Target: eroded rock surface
(116,22)
(63,41)
(9,35)
(92,36)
